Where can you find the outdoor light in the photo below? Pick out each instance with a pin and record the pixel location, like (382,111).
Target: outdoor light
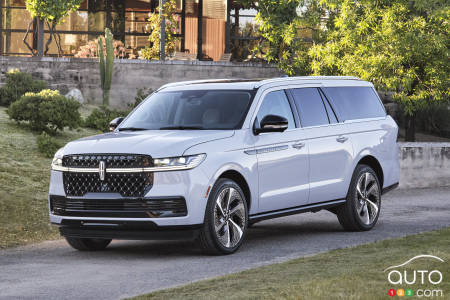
(181,162)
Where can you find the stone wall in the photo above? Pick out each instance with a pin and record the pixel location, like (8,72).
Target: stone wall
(424,165)
(65,74)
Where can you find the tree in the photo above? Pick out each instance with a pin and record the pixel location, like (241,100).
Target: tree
(51,12)
(171,28)
(399,45)
(289,28)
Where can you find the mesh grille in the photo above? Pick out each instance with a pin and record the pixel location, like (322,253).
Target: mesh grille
(170,207)
(126,184)
(111,160)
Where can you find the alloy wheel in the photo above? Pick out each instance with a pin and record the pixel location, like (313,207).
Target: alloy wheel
(229,217)
(367,198)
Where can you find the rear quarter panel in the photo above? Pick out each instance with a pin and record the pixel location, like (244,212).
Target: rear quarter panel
(378,138)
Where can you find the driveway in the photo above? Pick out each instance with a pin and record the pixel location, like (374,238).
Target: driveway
(52,270)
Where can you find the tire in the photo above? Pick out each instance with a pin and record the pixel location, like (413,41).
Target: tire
(362,208)
(231,222)
(85,244)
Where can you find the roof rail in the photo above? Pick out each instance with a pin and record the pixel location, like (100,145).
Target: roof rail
(182,83)
(283,79)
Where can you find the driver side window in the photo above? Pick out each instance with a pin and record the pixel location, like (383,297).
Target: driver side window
(276,103)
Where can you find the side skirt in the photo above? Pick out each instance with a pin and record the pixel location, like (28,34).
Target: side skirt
(295,210)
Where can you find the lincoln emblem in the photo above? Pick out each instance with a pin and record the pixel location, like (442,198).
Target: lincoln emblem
(101,170)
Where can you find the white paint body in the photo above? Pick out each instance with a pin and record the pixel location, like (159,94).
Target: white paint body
(318,172)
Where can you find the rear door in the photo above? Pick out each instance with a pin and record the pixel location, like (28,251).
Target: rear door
(330,150)
(282,157)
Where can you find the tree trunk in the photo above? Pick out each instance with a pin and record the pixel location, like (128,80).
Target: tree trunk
(410,128)
(162,39)
(40,44)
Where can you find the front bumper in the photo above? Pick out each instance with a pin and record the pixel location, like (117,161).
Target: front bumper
(190,185)
(127,230)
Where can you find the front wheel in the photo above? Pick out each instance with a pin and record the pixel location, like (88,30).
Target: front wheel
(226,219)
(85,244)
(362,209)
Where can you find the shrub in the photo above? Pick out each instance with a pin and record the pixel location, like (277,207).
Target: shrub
(100,118)
(140,96)
(46,110)
(90,50)
(17,84)
(47,145)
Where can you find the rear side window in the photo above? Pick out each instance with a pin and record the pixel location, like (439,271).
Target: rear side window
(310,107)
(355,102)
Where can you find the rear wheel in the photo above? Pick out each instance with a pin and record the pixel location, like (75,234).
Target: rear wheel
(85,244)
(362,209)
(226,219)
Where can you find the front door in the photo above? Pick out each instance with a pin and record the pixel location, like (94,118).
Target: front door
(282,158)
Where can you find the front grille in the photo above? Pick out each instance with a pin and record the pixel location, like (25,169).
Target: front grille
(111,160)
(122,208)
(126,184)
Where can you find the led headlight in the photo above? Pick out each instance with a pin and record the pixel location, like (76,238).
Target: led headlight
(178,163)
(57,161)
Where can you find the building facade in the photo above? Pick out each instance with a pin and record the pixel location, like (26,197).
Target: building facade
(207,28)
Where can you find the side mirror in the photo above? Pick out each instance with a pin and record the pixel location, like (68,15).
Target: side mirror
(271,123)
(114,123)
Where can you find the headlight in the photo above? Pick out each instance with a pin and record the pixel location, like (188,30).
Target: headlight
(178,163)
(57,161)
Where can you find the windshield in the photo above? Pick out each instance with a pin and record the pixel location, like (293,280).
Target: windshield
(202,109)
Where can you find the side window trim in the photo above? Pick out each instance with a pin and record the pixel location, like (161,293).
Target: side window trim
(295,112)
(333,110)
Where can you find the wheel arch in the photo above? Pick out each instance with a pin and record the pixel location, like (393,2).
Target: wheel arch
(372,162)
(241,181)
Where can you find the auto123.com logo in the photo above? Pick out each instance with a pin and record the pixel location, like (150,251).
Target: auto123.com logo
(418,281)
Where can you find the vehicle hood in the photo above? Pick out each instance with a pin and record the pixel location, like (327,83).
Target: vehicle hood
(157,143)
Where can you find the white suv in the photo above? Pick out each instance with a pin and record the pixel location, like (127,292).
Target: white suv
(206,159)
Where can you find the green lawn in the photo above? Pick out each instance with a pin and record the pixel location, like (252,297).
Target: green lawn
(352,273)
(24,179)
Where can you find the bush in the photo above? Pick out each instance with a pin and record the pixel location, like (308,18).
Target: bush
(140,96)
(17,84)
(46,110)
(47,145)
(100,118)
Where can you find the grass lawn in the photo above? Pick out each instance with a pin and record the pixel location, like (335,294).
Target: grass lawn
(352,273)
(24,180)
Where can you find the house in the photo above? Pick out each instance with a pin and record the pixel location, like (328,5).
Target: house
(207,28)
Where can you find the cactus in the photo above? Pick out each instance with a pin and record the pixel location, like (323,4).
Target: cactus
(106,64)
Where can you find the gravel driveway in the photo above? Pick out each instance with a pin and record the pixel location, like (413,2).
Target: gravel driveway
(52,270)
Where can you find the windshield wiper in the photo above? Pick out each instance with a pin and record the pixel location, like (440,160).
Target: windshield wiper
(132,129)
(181,127)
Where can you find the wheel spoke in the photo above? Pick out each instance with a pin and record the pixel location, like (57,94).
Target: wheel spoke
(373,206)
(358,189)
(230,194)
(365,216)
(227,233)
(219,205)
(236,228)
(366,181)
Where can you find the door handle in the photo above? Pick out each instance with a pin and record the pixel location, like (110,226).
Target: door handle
(298,146)
(342,139)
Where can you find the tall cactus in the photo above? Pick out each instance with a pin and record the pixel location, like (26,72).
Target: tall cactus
(106,64)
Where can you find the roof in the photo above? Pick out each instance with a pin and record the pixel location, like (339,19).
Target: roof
(252,83)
